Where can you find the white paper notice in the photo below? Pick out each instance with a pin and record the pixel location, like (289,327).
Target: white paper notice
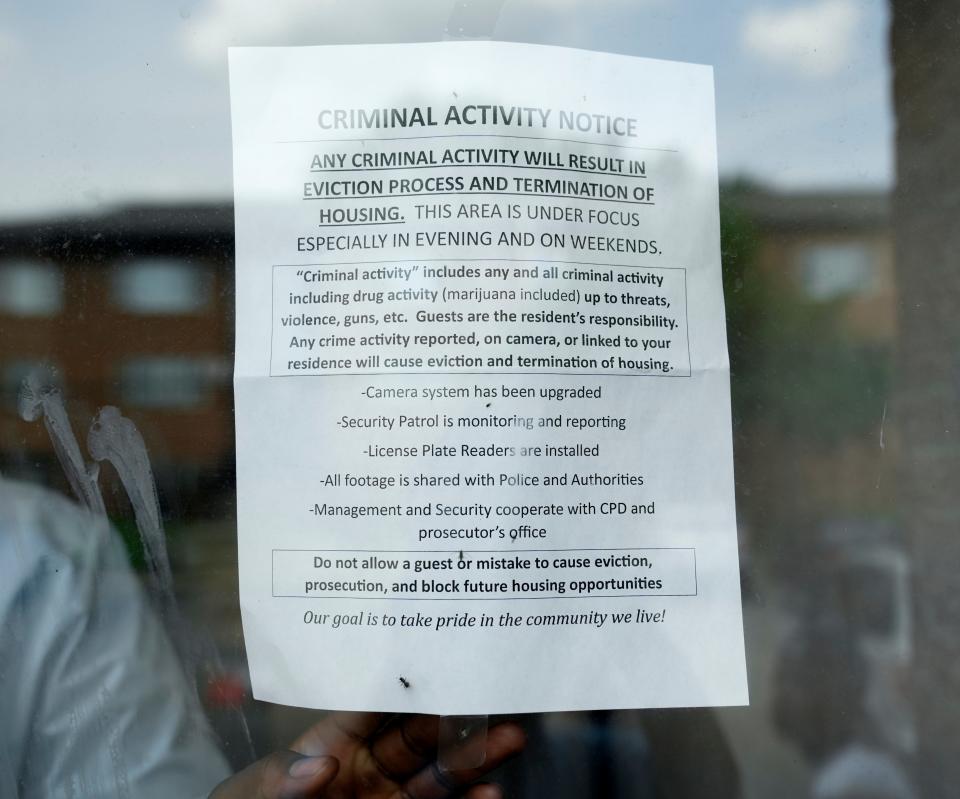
(482,389)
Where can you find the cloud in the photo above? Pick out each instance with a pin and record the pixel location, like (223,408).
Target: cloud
(217,24)
(572,5)
(10,46)
(815,40)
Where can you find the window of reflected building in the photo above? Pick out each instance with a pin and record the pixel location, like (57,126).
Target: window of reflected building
(31,288)
(171,381)
(836,270)
(161,286)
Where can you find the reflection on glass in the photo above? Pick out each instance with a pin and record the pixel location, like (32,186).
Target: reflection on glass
(161,286)
(823,448)
(836,270)
(170,381)
(30,288)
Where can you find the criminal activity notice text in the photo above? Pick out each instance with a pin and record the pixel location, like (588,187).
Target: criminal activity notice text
(482,389)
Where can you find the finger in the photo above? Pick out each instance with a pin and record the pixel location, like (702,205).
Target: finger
(405,748)
(485,790)
(503,742)
(281,775)
(336,729)
(359,726)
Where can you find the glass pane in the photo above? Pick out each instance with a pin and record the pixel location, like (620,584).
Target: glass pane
(123,668)
(836,270)
(161,286)
(30,288)
(170,382)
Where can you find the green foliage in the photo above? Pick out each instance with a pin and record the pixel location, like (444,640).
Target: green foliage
(820,381)
(127,528)
(792,363)
(746,302)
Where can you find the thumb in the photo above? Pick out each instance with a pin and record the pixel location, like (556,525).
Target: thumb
(281,775)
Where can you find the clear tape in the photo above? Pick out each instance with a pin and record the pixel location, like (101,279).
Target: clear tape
(462,742)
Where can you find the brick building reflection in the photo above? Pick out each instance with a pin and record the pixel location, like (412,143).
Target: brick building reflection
(135,309)
(132,309)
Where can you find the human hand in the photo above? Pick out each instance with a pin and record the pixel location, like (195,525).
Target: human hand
(369,756)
